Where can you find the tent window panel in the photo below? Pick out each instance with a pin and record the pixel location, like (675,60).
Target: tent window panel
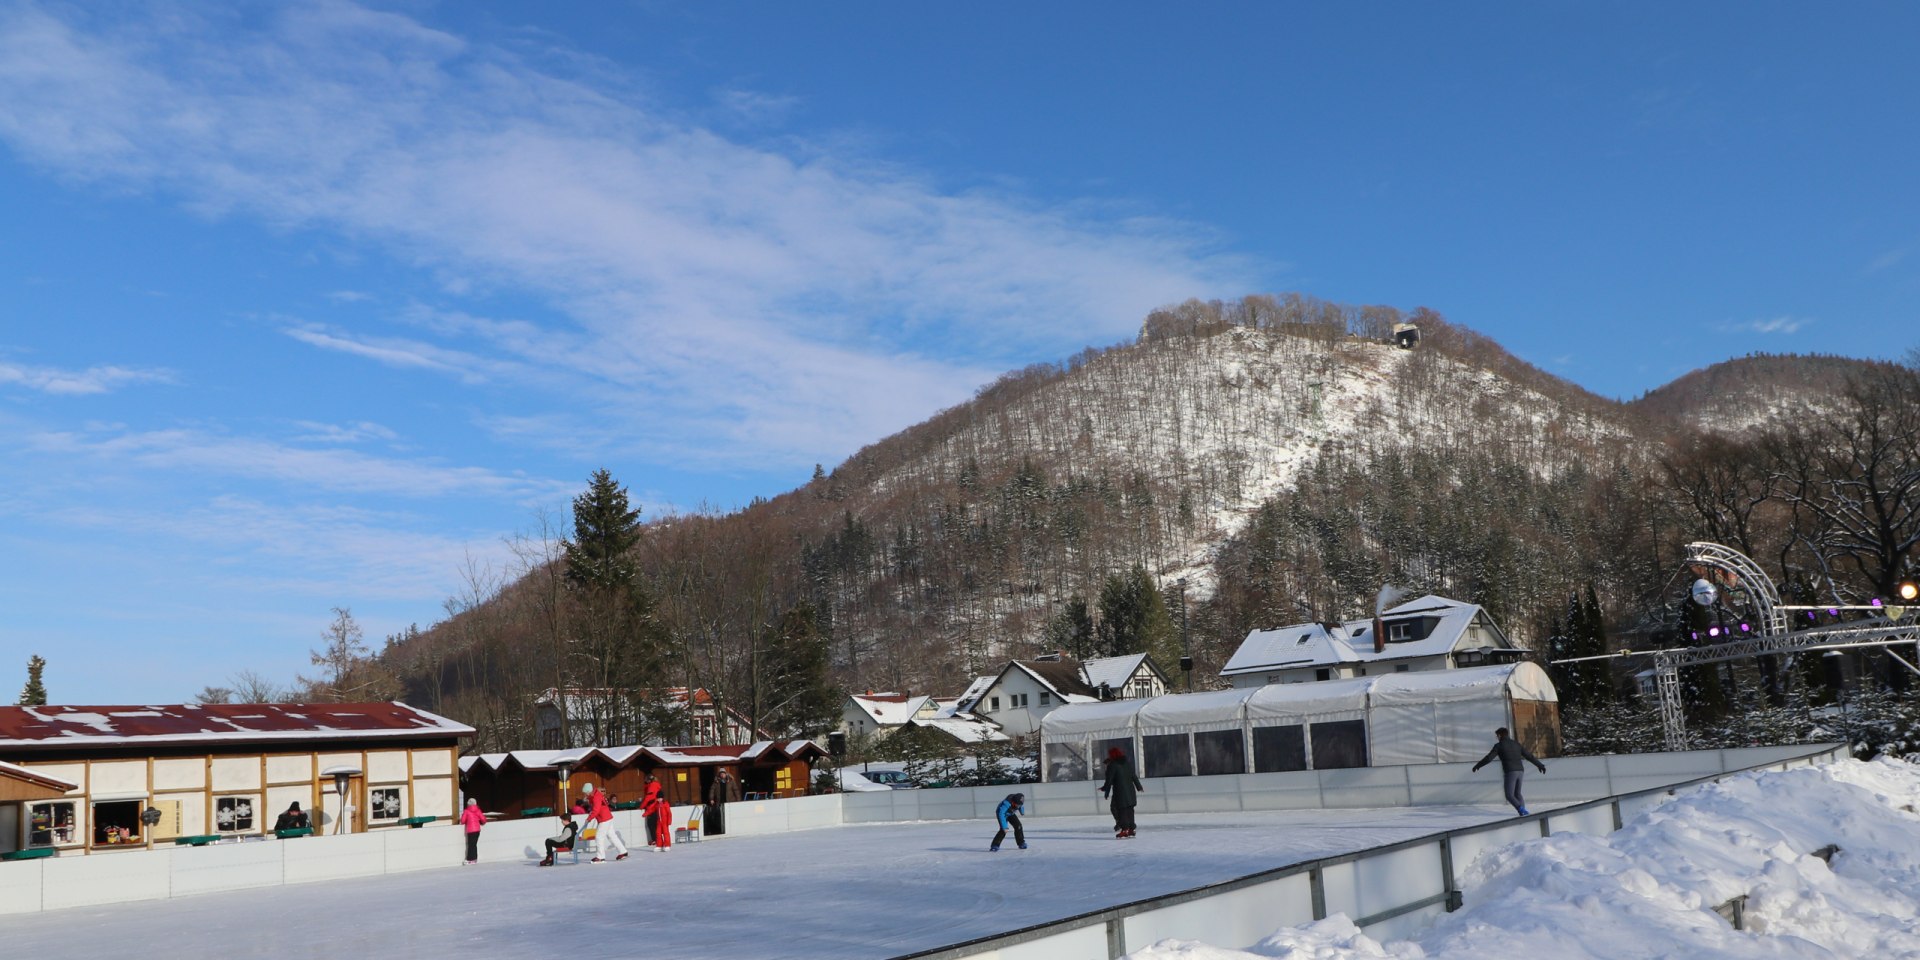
(1279,749)
(1341,743)
(1102,748)
(1220,751)
(1066,761)
(1168,755)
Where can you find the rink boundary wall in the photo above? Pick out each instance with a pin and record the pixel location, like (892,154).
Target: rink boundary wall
(162,873)
(1391,891)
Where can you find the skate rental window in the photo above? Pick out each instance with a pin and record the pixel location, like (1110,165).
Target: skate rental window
(116,822)
(386,804)
(235,814)
(1279,749)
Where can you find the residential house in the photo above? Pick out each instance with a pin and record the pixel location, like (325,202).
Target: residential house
(1025,691)
(1431,633)
(691,717)
(878,714)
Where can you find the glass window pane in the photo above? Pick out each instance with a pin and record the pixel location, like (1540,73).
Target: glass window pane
(1220,751)
(1342,743)
(1168,755)
(1065,761)
(1279,749)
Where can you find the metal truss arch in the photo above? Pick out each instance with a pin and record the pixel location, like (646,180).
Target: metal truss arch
(1739,570)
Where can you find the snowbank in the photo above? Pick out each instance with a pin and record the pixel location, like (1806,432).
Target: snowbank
(1649,889)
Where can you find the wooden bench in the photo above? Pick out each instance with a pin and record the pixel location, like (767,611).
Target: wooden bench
(31,853)
(199,841)
(291,832)
(418,822)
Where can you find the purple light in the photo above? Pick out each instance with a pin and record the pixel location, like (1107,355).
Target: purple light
(1744,628)
(1810,615)
(1713,631)
(1876,601)
(1695,635)
(1833,611)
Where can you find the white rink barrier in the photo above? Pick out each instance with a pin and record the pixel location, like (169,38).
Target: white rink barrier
(55,883)
(1391,891)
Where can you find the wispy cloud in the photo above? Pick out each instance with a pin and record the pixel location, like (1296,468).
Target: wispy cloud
(720,297)
(103,379)
(329,468)
(755,106)
(1776,325)
(344,433)
(1883,261)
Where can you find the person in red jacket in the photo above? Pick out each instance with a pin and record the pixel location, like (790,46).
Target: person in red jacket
(604,832)
(474,819)
(661,813)
(646,808)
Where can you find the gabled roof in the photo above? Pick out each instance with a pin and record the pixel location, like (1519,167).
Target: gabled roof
(889,709)
(1116,672)
(1060,676)
(967,700)
(1318,645)
(42,786)
(69,727)
(543,760)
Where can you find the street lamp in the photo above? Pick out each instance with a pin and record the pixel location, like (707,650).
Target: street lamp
(1186,641)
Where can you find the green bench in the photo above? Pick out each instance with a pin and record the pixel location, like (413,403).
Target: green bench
(537,812)
(31,853)
(199,841)
(627,805)
(291,832)
(418,822)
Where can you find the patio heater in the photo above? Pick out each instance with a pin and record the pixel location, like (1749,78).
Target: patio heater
(565,765)
(342,776)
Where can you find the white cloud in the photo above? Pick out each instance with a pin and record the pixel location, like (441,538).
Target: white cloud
(1777,325)
(719,297)
(75,382)
(343,432)
(333,469)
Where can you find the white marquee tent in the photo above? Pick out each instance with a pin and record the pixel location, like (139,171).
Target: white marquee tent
(1431,716)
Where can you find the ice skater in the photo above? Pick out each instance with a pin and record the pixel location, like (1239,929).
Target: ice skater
(1511,755)
(473,818)
(660,814)
(1009,815)
(600,819)
(562,841)
(1122,789)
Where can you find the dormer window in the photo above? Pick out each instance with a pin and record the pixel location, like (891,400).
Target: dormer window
(1400,632)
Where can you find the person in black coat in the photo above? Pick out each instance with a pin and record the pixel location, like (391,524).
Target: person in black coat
(569,833)
(292,818)
(1122,791)
(1513,760)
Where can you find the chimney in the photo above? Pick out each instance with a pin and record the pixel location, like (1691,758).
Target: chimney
(1379,635)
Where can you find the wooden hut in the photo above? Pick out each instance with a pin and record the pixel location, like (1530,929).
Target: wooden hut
(513,783)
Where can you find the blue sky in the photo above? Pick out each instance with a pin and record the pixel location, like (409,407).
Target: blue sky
(319,305)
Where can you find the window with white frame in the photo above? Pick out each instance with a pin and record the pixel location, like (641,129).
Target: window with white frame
(993,703)
(52,824)
(234,814)
(385,802)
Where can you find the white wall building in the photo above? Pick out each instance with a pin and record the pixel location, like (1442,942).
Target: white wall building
(1027,690)
(878,714)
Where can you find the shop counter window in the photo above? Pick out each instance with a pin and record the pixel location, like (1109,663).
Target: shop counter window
(52,824)
(1168,755)
(386,804)
(234,814)
(1220,751)
(117,822)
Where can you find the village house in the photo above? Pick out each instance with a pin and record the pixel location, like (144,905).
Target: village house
(1431,633)
(878,714)
(92,779)
(1025,691)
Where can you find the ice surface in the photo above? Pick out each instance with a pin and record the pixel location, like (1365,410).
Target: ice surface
(851,892)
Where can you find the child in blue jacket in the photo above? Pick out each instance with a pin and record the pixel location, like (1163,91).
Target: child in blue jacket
(1009,815)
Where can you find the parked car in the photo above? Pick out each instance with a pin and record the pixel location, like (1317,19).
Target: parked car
(892,778)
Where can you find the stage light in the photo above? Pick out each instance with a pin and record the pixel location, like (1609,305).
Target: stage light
(1713,631)
(1908,590)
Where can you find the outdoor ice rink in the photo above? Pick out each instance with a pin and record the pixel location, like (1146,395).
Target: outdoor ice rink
(870,891)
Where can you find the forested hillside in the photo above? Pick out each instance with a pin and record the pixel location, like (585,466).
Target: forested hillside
(1265,461)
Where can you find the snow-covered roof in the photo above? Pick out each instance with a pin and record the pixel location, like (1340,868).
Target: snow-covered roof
(965,728)
(852,782)
(1115,672)
(623,756)
(15,772)
(889,709)
(78,727)
(967,700)
(1352,642)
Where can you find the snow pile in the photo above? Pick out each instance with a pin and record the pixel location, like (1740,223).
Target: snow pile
(1649,889)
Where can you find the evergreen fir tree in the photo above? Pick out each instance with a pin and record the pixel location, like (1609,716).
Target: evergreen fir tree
(35,692)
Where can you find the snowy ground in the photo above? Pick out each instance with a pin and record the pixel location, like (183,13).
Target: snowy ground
(1649,889)
(845,892)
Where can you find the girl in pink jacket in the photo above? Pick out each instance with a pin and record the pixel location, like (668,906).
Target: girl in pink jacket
(474,819)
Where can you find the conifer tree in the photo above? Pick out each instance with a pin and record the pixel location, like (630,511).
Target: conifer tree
(35,692)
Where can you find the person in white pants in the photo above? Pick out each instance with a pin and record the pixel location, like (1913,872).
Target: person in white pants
(604,832)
